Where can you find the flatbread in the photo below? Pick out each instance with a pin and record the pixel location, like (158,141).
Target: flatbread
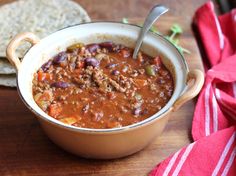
(8,80)
(42,17)
(6,67)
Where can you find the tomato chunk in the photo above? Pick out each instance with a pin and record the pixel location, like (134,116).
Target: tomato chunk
(54,110)
(44,76)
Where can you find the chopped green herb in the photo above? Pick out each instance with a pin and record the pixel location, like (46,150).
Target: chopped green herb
(176,43)
(125,20)
(182,50)
(176,29)
(172,40)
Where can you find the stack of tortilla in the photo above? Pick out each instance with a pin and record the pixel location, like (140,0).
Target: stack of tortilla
(41,17)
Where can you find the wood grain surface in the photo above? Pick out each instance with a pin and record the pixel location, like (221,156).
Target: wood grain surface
(26,150)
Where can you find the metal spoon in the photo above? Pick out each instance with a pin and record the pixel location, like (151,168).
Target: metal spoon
(153,15)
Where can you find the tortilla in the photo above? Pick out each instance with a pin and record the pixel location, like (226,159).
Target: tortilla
(42,17)
(6,67)
(8,80)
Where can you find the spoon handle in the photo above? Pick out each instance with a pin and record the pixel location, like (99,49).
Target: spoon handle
(153,15)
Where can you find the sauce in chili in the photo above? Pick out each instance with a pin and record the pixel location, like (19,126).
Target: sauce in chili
(100,85)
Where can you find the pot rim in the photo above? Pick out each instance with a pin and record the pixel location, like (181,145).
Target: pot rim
(109,130)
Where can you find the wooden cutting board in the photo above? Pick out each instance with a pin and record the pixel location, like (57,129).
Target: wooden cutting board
(26,150)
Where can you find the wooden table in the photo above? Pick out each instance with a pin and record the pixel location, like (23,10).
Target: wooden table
(26,150)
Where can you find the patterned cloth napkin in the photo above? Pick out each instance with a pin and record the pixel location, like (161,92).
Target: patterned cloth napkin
(214,124)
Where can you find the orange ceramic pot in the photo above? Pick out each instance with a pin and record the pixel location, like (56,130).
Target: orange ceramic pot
(102,143)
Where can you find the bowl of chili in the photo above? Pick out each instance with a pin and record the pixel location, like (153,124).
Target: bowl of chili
(91,97)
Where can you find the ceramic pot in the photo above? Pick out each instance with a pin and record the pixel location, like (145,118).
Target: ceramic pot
(102,143)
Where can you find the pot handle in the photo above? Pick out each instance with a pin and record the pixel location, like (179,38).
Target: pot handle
(192,90)
(15,42)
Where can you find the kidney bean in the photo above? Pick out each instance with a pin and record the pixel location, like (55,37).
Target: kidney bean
(60,84)
(107,45)
(137,111)
(145,111)
(169,93)
(61,57)
(46,66)
(92,47)
(115,72)
(92,62)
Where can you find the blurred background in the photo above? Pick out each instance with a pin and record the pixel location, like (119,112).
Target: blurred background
(115,10)
(139,8)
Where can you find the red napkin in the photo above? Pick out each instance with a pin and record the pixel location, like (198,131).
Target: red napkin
(214,123)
